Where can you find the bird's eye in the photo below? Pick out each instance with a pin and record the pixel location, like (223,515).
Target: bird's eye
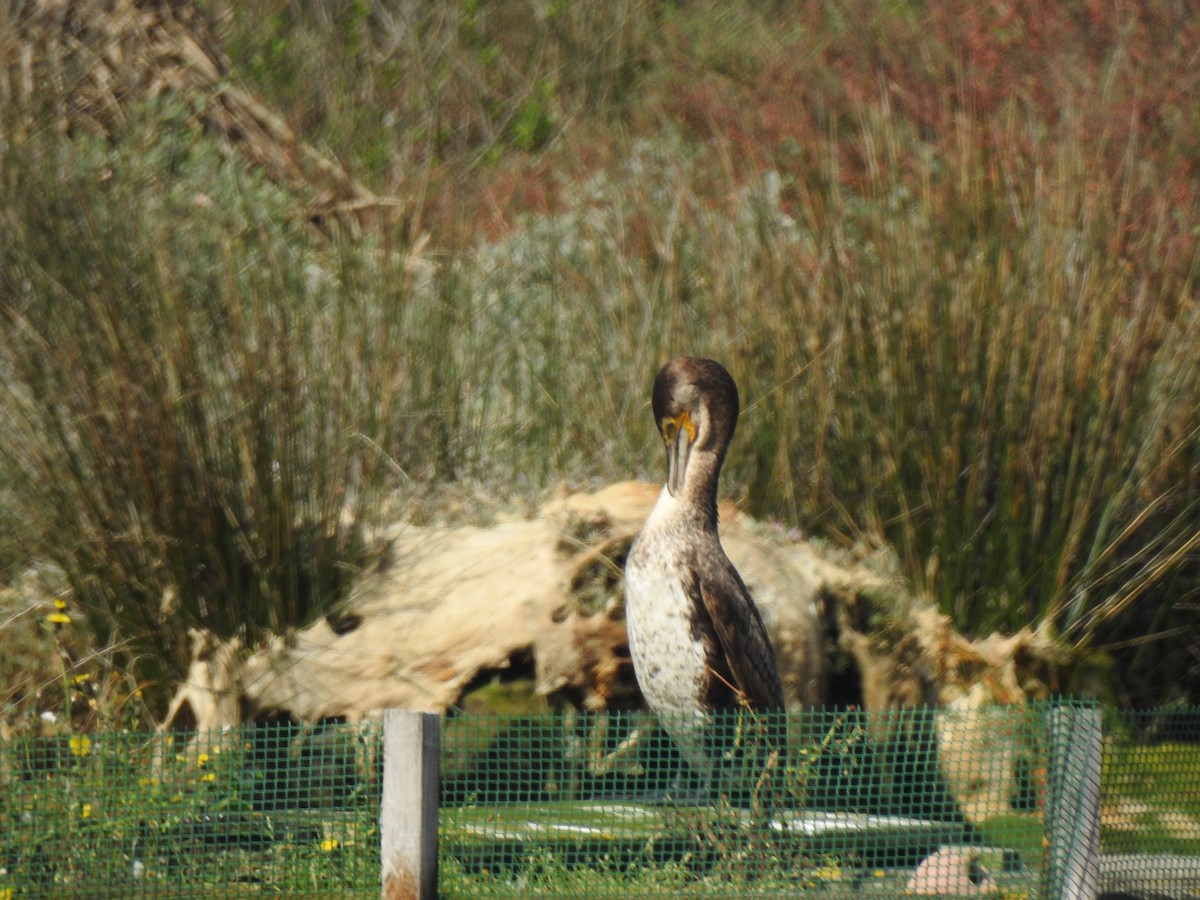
(672,424)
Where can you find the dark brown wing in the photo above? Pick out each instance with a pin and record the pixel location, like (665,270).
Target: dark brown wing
(743,638)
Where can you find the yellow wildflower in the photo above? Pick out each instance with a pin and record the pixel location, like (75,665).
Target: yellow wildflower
(60,603)
(80,744)
(82,677)
(58,618)
(209,776)
(329,845)
(202,760)
(85,811)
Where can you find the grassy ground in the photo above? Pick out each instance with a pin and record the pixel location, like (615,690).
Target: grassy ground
(285,811)
(121,815)
(1150,806)
(949,254)
(290,811)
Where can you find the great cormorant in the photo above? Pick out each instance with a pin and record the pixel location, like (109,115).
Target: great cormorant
(696,638)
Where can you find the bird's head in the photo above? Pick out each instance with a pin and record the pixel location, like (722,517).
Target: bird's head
(696,409)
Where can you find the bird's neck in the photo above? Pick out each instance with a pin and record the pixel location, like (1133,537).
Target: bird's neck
(697,499)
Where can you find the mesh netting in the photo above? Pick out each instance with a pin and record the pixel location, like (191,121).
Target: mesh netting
(280,810)
(1042,801)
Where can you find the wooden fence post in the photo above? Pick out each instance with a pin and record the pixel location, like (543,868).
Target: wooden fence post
(1072,812)
(408,818)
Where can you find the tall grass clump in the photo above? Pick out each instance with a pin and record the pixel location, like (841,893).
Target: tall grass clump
(199,395)
(1006,401)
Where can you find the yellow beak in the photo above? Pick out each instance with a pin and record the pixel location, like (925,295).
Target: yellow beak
(678,433)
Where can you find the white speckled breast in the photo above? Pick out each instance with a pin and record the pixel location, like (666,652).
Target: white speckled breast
(669,660)
(670,663)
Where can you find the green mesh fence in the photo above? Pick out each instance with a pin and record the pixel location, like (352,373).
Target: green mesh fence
(1059,800)
(274,810)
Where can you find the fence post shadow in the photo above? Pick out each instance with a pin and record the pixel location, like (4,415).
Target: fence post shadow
(408,817)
